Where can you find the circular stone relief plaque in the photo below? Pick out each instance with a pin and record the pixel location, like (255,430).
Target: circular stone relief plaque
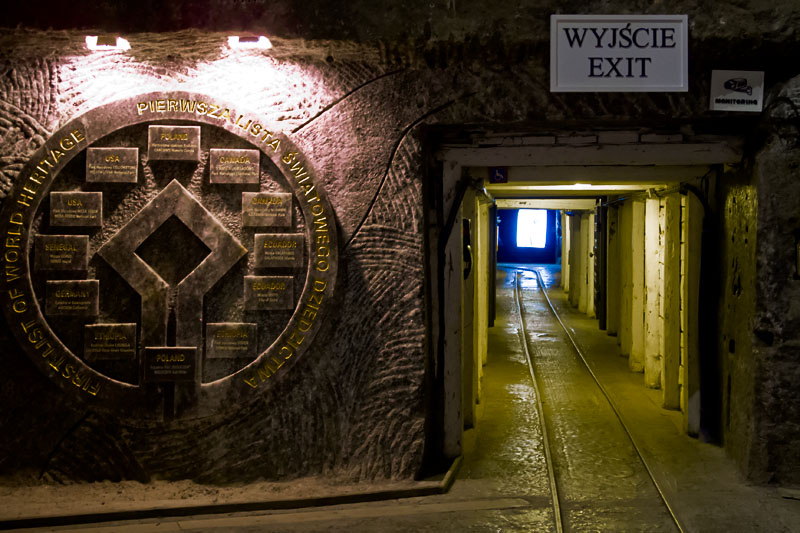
(211,257)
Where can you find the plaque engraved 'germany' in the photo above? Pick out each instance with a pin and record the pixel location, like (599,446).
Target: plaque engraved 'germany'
(264,293)
(170,364)
(109,342)
(262,209)
(81,209)
(72,297)
(173,143)
(278,250)
(112,165)
(231,340)
(233,166)
(61,252)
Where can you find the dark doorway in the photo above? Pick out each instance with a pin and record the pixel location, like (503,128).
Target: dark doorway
(527,236)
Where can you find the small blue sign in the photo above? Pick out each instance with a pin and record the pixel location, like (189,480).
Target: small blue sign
(498,174)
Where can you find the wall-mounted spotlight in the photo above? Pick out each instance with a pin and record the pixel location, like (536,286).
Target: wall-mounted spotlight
(106,42)
(249,41)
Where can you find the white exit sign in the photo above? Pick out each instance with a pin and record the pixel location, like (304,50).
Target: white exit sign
(619,53)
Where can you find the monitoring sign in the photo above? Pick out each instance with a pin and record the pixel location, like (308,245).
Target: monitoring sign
(619,53)
(737,90)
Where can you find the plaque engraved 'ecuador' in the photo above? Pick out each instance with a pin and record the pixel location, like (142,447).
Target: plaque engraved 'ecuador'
(233,166)
(263,293)
(109,342)
(173,143)
(112,165)
(266,209)
(170,364)
(72,297)
(230,340)
(82,209)
(278,250)
(61,252)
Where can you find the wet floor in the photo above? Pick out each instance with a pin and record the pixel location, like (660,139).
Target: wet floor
(602,482)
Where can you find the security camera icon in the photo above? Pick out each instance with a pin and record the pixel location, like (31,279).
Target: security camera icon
(739,85)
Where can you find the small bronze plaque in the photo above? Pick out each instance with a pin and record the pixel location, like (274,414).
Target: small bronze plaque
(109,342)
(83,209)
(230,340)
(263,293)
(173,143)
(112,165)
(61,252)
(168,364)
(266,209)
(72,297)
(278,250)
(234,166)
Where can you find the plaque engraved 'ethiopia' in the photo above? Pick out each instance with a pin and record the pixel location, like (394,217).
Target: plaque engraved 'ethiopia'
(61,252)
(266,209)
(112,165)
(229,166)
(173,143)
(82,209)
(72,297)
(264,293)
(109,342)
(230,340)
(169,364)
(278,250)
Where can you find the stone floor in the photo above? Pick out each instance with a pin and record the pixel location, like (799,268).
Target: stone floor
(503,482)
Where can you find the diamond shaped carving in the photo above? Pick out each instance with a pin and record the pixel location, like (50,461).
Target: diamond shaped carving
(120,253)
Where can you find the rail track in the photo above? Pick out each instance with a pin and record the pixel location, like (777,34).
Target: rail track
(562,522)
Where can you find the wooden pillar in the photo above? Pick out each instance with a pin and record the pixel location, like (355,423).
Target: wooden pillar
(591,259)
(585,239)
(565,245)
(636,359)
(613,271)
(670,368)
(692,223)
(652,280)
(626,277)
(469,372)
(575,260)
(453,419)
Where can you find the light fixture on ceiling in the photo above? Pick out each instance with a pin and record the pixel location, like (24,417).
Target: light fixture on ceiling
(249,42)
(106,42)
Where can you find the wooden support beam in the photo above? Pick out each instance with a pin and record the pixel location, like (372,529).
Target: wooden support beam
(636,359)
(653,325)
(670,368)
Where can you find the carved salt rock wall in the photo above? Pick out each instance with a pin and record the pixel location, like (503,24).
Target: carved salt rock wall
(353,405)
(776,325)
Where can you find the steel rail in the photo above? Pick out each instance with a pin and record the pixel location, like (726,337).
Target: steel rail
(559,519)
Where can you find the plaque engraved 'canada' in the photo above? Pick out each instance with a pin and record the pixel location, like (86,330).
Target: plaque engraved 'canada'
(266,209)
(233,166)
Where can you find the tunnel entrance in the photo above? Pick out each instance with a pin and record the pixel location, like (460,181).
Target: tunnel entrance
(624,219)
